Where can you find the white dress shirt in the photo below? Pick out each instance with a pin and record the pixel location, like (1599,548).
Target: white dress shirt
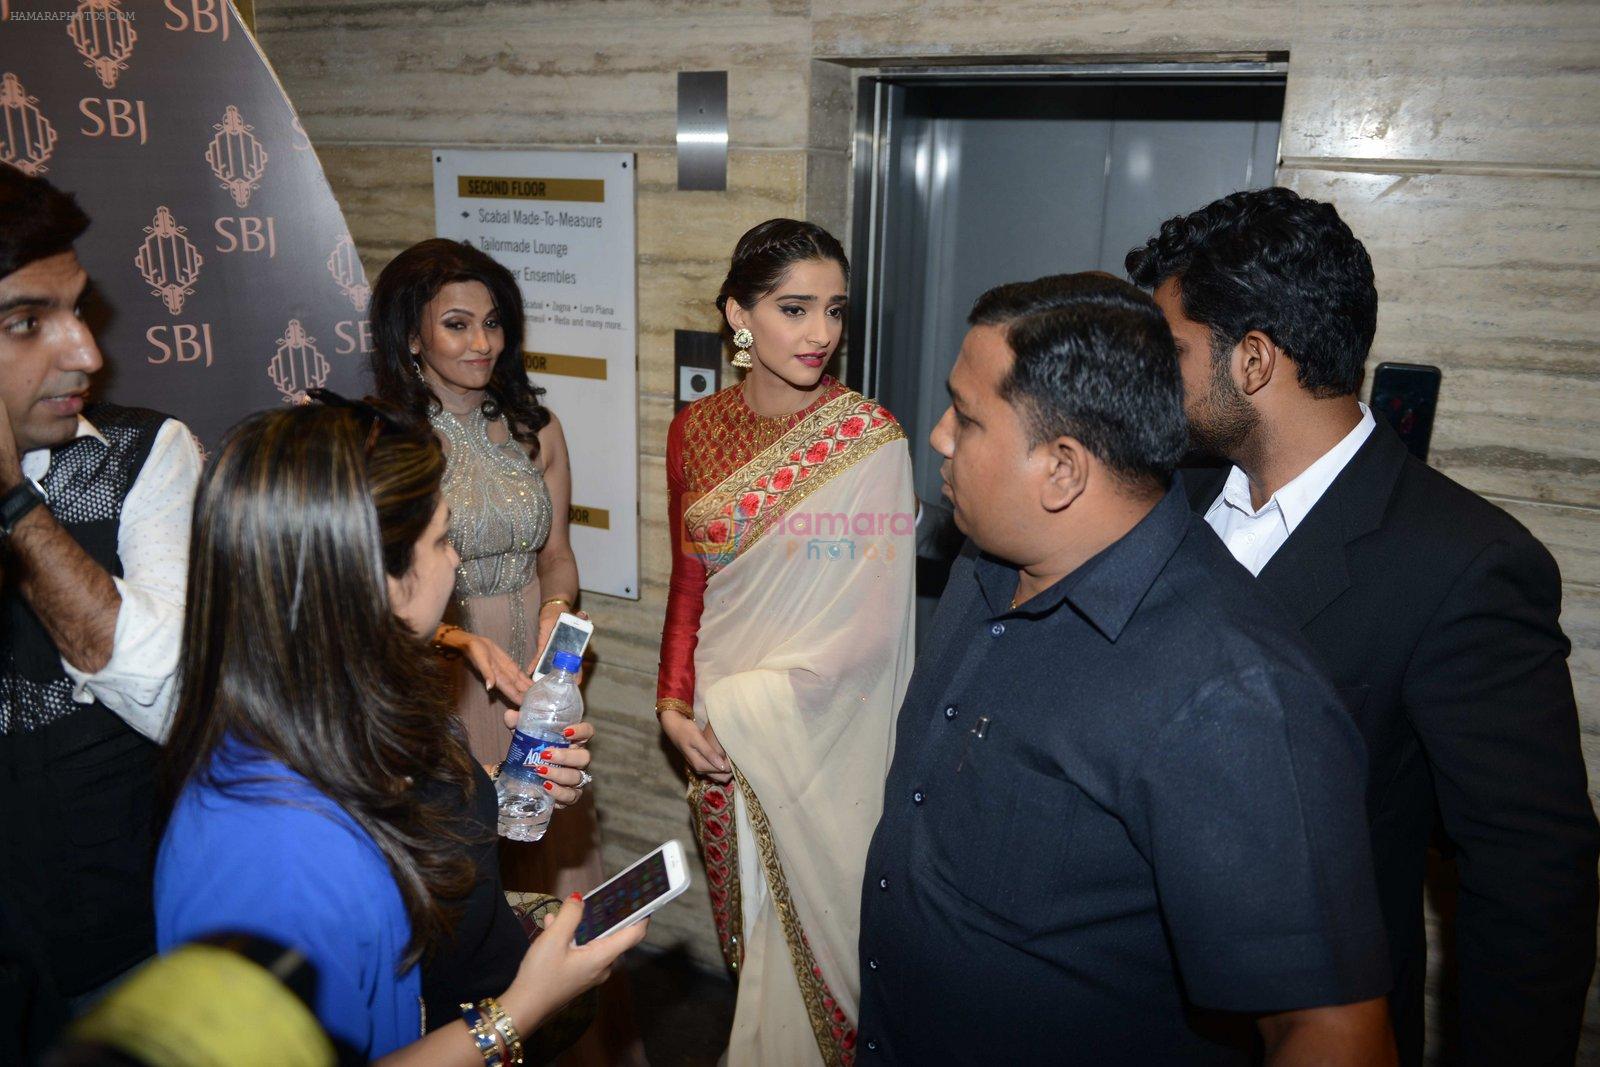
(1254,535)
(139,682)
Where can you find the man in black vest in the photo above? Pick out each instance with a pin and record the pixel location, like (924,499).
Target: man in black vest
(1433,611)
(95,504)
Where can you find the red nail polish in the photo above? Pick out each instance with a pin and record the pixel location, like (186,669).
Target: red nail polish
(576,896)
(542,770)
(550,787)
(569,731)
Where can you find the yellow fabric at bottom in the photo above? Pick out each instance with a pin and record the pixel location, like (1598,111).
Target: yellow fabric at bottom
(204,1006)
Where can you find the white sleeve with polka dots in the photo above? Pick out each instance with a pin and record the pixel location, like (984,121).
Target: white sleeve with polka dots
(139,681)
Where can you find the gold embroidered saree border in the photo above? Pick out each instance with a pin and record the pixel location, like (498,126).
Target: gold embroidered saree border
(835,1051)
(723,501)
(728,916)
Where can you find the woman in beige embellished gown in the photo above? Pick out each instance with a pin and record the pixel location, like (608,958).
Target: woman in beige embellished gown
(501,512)
(447,349)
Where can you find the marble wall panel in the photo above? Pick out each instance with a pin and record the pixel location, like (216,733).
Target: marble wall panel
(1442,80)
(1494,279)
(869,30)
(356,14)
(828,176)
(386,192)
(1432,80)
(685,242)
(569,74)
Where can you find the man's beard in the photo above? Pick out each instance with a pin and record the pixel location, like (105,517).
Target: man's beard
(1223,420)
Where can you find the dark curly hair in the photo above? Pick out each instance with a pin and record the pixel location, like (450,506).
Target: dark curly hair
(766,253)
(37,220)
(402,292)
(1275,261)
(1094,360)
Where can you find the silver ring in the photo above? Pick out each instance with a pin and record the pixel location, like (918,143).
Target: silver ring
(584,778)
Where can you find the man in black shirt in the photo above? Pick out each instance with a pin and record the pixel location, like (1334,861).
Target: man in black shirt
(1124,817)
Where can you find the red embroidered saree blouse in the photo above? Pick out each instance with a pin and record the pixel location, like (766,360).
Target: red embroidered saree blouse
(707,441)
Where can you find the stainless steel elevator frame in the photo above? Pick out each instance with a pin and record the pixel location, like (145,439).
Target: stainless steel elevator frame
(874,136)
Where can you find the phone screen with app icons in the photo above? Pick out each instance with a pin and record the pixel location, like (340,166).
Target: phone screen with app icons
(618,900)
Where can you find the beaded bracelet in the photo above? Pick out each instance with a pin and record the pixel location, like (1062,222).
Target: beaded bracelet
(483,1035)
(508,1029)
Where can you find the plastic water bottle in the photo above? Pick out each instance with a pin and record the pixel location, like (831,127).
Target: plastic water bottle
(552,705)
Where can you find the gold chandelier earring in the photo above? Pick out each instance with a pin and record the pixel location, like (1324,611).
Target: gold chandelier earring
(742,340)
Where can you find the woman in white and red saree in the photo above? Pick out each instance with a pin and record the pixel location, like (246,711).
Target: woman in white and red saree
(787,644)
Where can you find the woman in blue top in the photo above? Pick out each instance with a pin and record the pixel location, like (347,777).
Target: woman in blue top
(310,707)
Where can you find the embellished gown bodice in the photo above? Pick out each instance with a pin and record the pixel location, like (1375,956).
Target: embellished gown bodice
(499,518)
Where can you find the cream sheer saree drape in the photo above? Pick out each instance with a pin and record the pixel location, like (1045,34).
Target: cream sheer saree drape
(805,648)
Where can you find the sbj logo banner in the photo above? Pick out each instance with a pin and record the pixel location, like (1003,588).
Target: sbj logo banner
(104,35)
(217,247)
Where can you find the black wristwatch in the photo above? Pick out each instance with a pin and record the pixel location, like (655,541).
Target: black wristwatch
(17,502)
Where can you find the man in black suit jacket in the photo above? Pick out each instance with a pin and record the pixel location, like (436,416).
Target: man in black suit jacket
(1434,612)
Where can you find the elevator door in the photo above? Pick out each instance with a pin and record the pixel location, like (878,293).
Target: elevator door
(965,184)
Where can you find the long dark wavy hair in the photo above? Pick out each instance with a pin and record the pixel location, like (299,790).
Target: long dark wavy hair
(291,645)
(399,298)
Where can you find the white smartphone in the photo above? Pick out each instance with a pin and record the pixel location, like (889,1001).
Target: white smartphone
(636,892)
(570,635)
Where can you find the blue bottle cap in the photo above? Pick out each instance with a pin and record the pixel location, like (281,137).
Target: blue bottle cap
(566,661)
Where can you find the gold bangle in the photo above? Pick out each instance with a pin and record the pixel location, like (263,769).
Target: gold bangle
(444,630)
(555,600)
(682,707)
(507,1029)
